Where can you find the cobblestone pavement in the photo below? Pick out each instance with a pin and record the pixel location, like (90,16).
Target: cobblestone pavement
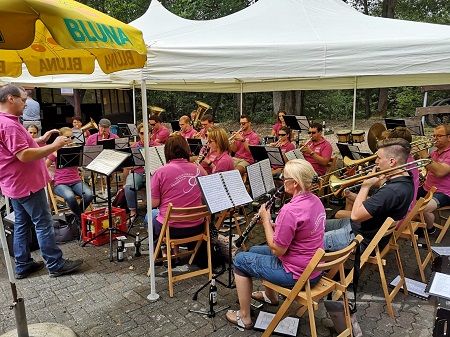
(110,299)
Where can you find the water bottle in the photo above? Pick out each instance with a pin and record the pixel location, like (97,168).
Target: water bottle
(119,251)
(137,246)
(213,292)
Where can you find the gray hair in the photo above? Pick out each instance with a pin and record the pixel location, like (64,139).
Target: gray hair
(10,89)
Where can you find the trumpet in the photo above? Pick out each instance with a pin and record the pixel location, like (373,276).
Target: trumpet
(231,138)
(304,145)
(337,185)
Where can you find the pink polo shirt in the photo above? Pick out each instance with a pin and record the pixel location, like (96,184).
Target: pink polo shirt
(188,134)
(92,139)
(241,153)
(65,176)
(162,134)
(442,184)
(223,162)
(276,128)
(176,182)
(210,156)
(300,226)
(323,149)
(286,147)
(18,179)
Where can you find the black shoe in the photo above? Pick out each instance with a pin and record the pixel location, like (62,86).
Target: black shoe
(68,267)
(35,266)
(421,234)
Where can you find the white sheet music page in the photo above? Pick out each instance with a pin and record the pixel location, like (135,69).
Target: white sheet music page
(90,153)
(157,158)
(440,285)
(441,250)
(294,154)
(286,327)
(236,188)
(256,181)
(214,192)
(107,161)
(267,176)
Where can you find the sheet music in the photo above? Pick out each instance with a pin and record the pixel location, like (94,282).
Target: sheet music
(440,285)
(157,157)
(78,136)
(90,153)
(294,154)
(236,188)
(414,287)
(275,155)
(287,326)
(107,161)
(138,157)
(121,143)
(133,130)
(256,180)
(441,250)
(214,192)
(266,172)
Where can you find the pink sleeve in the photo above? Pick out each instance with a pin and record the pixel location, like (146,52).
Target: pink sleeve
(163,135)
(156,178)
(326,151)
(254,139)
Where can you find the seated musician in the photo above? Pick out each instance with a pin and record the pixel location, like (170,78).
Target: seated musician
(77,124)
(438,175)
(240,144)
(291,243)
(317,150)
(159,132)
(176,182)
(134,178)
(284,142)
(68,184)
(279,124)
(187,131)
(218,158)
(206,122)
(392,199)
(104,132)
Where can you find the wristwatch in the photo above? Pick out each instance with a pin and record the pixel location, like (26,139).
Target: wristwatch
(243,140)
(312,153)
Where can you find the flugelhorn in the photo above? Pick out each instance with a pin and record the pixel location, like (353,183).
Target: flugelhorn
(338,185)
(231,138)
(156,110)
(90,125)
(201,109)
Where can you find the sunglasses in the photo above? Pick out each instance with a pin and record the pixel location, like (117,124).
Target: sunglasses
(243,123)
(282,134)
(141,133)
(152,124)
(312,132)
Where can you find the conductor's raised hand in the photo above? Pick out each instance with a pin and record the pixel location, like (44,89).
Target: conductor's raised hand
(62,141)
(47,135)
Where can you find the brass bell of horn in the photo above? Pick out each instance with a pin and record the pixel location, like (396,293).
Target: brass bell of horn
(156,110)
(201,109)
(90,125)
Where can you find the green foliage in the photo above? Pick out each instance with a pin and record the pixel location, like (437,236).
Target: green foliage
(125,10)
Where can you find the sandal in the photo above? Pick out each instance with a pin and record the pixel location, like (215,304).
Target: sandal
(264,298)
(238,320)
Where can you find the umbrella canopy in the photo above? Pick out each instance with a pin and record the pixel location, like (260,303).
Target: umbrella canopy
(65,37)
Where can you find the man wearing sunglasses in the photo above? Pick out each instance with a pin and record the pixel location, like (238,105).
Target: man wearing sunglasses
(240,142)
(159,132)
(438,175)
(317,150)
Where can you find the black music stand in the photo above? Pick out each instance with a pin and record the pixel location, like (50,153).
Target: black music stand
(261,152)
(414,126)
(195,145)
(299,123)
(78,136)
(175,124)
(127,130)
(106,163)
(108,144)
(70,156)
(90,152)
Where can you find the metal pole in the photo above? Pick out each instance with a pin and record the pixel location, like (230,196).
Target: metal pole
(354,105)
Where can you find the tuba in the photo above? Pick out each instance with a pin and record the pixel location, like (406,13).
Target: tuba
(156,110)
(201,109)
(90,125)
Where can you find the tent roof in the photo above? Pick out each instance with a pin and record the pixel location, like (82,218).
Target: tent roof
(287,45)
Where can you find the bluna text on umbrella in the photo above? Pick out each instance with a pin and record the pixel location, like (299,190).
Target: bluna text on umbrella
(93,31)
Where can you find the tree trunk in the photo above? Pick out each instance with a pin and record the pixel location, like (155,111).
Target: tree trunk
(289,101)
(367,110)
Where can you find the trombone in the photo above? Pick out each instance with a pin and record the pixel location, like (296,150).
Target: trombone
(337,185)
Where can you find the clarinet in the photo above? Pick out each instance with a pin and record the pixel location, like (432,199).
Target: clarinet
(256,217)
(201,152)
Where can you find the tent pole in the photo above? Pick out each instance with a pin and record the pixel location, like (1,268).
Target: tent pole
(242,98)
(153,296)
(354,105)
(134,104)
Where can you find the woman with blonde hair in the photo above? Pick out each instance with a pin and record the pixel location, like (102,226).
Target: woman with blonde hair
(218,158)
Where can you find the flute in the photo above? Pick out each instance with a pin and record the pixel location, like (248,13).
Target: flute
(256,217)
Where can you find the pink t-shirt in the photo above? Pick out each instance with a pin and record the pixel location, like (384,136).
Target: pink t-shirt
(162,134)
(65,176)
(276,128)
(323,149)
(300,226)
(92,139)
(223,162)
(241,153)
(18,179)
(188,134)
(176,182)
(442,184)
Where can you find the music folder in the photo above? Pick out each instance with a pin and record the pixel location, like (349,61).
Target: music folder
(260,178)
(70,156)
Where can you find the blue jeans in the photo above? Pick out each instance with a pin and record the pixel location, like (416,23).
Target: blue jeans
(29,211)
(155,212)
(134,182)
(69,191)
(260,262)
(338,234)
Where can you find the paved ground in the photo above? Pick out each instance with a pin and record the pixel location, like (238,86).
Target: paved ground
(110,299)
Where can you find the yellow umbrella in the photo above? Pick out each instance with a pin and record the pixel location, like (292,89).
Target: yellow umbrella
(65,37)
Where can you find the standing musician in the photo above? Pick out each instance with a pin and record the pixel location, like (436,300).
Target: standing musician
(438,175)
(77,124)
(206,122)
(159,132)
(218,158)
(392,199)
(104,132)
(187,131)
(240,142)
(279,124)
(317,150)
(284,142)
(68,183)
(291,243)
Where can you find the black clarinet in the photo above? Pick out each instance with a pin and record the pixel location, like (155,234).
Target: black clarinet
(256,217)
(200,153)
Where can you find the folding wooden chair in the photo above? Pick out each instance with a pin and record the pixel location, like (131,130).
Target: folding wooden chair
(226,215)
(184,214)
(57,203)
(443,227)
(372,256)
(307,297)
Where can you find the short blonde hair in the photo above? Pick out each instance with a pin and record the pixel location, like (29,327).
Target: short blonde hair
(302,172)
(219,135)
(64,129)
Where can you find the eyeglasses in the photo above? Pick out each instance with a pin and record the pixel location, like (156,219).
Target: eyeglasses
(286,179)
(141,133)
(282,134)
(152,124)
(312,132)
(243,123)
(439,136)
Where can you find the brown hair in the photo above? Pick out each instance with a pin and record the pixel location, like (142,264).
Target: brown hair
(155,118)
(278,115)
(317,126)
(176,147)
(208,118)
(398,132)
(397,148)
